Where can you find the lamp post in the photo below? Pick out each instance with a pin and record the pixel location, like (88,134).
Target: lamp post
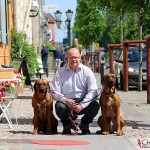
(69,14)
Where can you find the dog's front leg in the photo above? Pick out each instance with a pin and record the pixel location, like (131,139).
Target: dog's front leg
(35,121)
(49,118)
(119,130)
(105,126)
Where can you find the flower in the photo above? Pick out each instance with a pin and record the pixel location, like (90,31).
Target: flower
(9,86)
(21,77)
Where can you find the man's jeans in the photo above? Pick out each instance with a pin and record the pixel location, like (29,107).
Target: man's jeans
(45,65)
(89,112)
(57,64)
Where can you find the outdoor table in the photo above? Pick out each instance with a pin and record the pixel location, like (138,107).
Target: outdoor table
(5,107)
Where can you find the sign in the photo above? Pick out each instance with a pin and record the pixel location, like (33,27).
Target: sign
(49,8)
(96,46)
(24,68)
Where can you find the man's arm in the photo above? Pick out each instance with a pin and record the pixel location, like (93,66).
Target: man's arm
(91,89)
(56,89)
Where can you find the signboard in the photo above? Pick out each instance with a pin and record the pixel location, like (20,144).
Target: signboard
(96,46)
(50,8)
(65,42)
(24,68)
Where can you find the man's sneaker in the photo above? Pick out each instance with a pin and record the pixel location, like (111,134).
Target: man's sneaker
(85,128)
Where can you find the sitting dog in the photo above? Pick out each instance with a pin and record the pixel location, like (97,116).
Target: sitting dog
(42,104)
(110,120)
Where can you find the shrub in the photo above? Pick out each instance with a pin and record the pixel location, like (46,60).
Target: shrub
(22,49)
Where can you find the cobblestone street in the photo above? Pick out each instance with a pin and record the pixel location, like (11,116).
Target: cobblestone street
(133,107)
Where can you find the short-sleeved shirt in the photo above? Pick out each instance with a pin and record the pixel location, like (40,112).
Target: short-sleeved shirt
(79,47)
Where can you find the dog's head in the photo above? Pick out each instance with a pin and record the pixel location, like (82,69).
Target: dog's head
(109,80)
(41,86)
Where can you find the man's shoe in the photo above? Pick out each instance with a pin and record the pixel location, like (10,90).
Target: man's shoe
(67,129)
(86,132)
(85,128)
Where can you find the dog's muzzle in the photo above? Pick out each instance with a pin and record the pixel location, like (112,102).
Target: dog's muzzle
(111,83)
(42,90)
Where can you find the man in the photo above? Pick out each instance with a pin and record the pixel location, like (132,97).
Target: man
(74,87)
(44,55)
(58,56)
(78,46)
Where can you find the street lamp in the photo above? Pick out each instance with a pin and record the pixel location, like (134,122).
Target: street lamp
(58,24)
(46,30)
(69,14)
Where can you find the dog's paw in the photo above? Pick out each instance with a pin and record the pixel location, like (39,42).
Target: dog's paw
(35,131)
(119,133)
(105,133)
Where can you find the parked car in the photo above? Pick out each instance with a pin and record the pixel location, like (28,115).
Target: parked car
(133,68)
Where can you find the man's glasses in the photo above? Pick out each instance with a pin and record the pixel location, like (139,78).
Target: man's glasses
(74,58)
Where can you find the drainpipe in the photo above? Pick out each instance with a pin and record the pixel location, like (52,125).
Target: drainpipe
(15,14)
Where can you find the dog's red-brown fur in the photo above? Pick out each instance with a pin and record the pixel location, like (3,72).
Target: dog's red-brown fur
(42,104)
(110,120)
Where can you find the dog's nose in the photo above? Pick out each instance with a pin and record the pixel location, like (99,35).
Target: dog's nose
(111,82)
(42,90)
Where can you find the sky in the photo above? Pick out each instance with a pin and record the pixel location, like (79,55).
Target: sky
(63,6)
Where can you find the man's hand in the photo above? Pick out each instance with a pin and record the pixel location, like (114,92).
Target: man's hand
(77,108)
(70,103)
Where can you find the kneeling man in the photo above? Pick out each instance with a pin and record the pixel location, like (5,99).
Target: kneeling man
(74,87)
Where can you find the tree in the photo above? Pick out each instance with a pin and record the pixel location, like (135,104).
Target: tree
(89,23)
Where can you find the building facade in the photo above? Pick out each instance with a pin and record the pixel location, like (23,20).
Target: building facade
(26,16)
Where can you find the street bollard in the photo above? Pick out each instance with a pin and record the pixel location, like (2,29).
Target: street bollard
(102,71)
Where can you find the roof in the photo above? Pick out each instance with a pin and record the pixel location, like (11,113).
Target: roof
(49,17)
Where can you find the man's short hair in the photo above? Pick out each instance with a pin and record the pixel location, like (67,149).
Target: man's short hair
(43,45)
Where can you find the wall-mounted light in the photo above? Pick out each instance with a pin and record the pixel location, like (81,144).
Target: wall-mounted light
(34,11)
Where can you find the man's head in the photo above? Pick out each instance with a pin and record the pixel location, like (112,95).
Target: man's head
(75,41)
(43,45)
(73,58)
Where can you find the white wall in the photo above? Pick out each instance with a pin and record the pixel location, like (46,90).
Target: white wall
(21,9)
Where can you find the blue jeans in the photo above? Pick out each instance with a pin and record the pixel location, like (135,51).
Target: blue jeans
(45,65)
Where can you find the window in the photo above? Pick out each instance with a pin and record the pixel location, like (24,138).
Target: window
(3,21)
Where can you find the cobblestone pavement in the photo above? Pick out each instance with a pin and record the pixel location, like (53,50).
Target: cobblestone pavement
(134,108)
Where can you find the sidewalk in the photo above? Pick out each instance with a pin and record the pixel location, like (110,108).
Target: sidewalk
(133,107)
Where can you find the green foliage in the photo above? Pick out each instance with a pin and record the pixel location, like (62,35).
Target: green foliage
(17,41)
(22,49)
(89,23)
(49,45)
(129,10)
(105,56)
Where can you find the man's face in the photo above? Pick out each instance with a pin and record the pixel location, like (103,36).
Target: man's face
(74,58)
(75,42)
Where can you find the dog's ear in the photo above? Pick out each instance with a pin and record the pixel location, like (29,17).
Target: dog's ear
(102,80)
(35,86)
(48,87)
